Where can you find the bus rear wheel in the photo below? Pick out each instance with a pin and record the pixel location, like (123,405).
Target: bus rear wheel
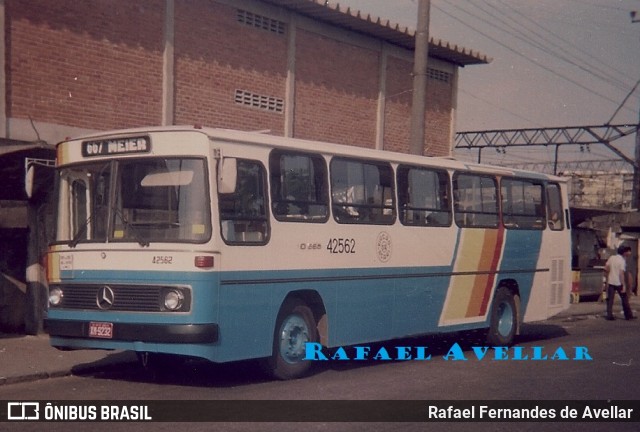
(504,318)
(295,327)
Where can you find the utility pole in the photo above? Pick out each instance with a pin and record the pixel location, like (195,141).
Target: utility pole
(635,200)
(418,104)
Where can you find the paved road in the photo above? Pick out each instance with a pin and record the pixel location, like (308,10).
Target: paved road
(614,373)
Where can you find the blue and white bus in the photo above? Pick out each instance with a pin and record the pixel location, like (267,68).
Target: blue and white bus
(229,245)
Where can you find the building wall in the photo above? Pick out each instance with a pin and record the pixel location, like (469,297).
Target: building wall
(217,55)
(94,65)
(440,90)
(336,90)
(398,104)
(79,66)
(601,190)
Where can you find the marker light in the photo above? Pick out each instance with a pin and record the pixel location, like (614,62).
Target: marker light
(202,261)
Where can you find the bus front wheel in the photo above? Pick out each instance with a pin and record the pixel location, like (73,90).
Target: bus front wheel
(504,318)
(295,327)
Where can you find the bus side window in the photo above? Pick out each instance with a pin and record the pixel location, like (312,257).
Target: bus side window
(423,196)
(243,213)
(362,192)
(299,191)
(522,204)
(475,200)
(555,211)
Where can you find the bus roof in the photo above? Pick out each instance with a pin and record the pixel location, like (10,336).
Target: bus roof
(263,138)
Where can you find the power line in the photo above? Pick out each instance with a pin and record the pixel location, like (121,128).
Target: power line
(624,101)
(519,54)
(604,74)
(597,5)
(588,54)
(501,108)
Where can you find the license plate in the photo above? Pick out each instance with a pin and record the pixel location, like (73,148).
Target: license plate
(101,330)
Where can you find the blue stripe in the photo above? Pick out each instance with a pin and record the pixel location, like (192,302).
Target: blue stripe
(521,251)
(363,305)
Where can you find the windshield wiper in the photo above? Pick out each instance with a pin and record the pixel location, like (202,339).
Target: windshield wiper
(132,228)
(81,232)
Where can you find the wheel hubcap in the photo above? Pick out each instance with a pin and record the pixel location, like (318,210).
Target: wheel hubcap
(505,319)
(293,337)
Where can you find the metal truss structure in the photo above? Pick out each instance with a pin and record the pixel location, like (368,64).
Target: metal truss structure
(559,136)
(589,177)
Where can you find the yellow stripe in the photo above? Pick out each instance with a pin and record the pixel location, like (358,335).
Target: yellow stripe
(481,282)
(461,288)
(53,267)
(476,253)
(62,154)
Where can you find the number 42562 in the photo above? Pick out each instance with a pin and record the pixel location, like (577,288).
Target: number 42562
(342,246)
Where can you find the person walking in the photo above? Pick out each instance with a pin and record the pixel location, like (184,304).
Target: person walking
(616,273)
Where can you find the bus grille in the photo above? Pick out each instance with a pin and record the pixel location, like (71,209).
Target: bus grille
(134,298)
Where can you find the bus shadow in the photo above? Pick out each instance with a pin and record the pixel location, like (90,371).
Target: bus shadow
(188,372)
(202,373)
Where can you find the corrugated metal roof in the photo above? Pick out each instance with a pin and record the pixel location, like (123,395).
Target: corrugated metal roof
(10,147)
(355,20)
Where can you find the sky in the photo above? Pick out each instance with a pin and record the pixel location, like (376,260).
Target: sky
(555,63)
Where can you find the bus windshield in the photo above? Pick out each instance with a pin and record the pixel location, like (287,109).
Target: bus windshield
(134,200)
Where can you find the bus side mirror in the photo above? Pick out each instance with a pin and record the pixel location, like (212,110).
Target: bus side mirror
(28,181)
(227,175)
(38,179)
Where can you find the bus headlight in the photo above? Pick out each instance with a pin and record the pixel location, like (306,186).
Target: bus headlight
(173,300)
(55,297)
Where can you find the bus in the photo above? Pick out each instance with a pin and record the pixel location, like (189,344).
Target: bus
(228,245)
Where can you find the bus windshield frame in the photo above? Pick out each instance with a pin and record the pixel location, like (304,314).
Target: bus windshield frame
(141,200)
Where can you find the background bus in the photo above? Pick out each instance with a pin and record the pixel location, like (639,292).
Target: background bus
(231,245)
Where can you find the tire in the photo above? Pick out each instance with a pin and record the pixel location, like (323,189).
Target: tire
(504,319)
(295,327)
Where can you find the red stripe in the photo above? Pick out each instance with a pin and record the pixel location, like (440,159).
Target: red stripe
(497,252)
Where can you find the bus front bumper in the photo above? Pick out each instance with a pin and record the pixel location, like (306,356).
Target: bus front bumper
(130,332)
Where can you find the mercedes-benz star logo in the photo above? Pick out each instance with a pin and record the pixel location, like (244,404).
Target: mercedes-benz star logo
(105,298)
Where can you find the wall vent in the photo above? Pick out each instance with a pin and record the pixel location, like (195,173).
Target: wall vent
(254,100)
(438,75)
(261,22)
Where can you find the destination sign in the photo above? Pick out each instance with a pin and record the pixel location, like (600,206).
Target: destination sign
(116,146)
